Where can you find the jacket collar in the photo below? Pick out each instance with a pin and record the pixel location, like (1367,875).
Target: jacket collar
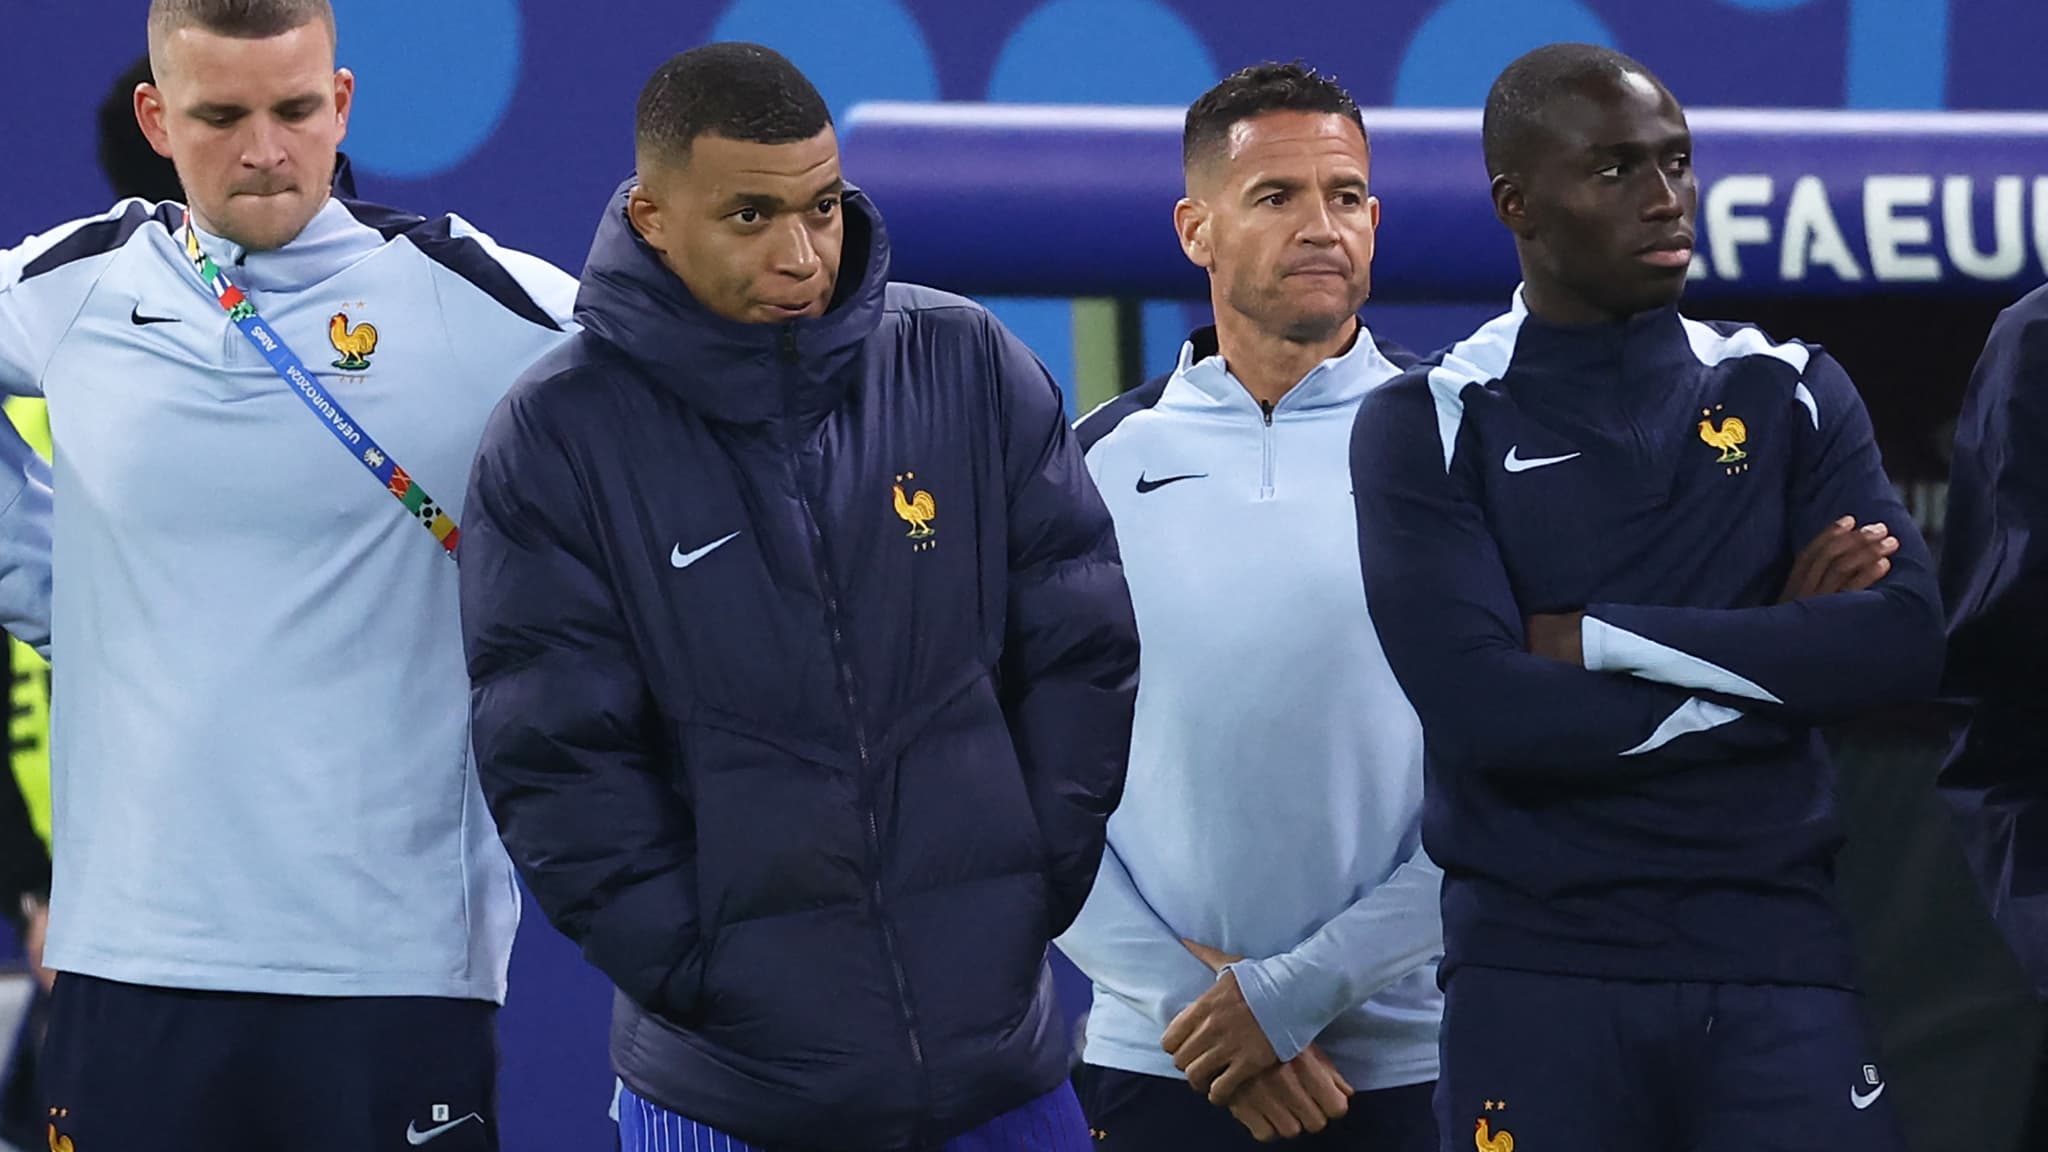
(1644,342)
(1339,381)
(330,242)
(731,371)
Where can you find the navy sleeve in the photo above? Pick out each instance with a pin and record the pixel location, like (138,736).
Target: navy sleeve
(1091,428)
(1446,615)
(1994,570)
(1820,658)
(561,724)
(1070,654)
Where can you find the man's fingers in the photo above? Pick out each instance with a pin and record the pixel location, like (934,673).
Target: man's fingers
(1227,1084)
(1819,544)
(1873,571)
(1799,581)
(1838,545)
(1204,1068)
(1177,1032)
(1834,532)
(1285,1124)
(1253,1117)
(1214,958)
(1835,572)
(1839,560)
(1327,1089)
(1854,568)
(1301,1108)
(1231,1080)
(1192,1049)
(1332,1093)
(1861,578)
(1863,570)
(1272,1111)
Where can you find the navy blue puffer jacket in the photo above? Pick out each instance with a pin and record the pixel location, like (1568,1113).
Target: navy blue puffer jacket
(803,673)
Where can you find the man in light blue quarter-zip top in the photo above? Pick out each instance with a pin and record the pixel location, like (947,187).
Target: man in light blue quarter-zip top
(1265,923)
(280,913)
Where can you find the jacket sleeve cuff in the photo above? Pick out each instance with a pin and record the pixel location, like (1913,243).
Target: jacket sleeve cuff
(1593,642)
(1268,1002)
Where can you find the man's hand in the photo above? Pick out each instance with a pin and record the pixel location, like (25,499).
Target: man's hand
(1556,637)
(1216,959)
(36,929)
(1216,1041)
(1302,1095)
(1843,558)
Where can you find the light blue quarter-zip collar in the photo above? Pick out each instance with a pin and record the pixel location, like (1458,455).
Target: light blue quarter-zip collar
(1337,382)
(332,241)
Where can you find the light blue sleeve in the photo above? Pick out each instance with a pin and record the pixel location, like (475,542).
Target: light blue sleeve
(1122,945)
(25,543)
(37,311)
(35,315)
(1383,936)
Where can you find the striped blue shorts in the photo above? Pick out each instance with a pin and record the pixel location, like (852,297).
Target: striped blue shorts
(1051,1123)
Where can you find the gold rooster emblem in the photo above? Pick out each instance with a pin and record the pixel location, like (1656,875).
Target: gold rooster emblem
(1727,437)
(356,343)
(917,510)
(1489,1141)
(58,1141)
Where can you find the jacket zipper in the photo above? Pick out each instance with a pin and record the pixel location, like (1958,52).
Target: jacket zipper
(1266,453)
(787,346)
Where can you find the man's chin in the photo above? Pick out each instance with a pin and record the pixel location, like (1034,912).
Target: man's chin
(1657,292)
(1319,325)
(261,223)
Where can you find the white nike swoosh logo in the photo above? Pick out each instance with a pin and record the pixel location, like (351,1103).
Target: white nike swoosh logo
(1515,463)
(1862,1101)
(415,1137)
(682,559)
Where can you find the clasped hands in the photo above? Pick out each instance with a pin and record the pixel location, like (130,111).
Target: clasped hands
(1218,1044)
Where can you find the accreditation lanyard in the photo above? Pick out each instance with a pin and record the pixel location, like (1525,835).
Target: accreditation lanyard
(303,384)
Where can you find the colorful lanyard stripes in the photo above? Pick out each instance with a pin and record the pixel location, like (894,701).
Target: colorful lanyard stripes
(331,413)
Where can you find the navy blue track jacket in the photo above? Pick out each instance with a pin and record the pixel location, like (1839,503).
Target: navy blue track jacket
(1665,812)
(1994,576)
(804,670)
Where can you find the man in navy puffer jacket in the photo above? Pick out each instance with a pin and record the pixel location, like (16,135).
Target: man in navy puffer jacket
(803,662)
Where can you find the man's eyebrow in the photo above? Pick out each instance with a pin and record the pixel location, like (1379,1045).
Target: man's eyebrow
(1274,184)
(764,201)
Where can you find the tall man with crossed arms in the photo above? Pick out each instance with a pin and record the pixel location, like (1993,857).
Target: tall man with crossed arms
(1625,564)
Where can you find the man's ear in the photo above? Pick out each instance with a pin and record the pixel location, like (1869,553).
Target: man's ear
(1510,207)
(150,114)
(1191,222)
(645,216)
(344,97)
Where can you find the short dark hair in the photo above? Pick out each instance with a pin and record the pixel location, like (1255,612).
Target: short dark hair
(732,89)
(1525,90)
(1255,91)
(242,19)
(126,159)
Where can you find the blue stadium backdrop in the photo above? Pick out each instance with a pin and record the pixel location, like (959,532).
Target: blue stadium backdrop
(518,116)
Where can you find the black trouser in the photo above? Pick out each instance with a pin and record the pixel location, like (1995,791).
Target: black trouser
(144,1069)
